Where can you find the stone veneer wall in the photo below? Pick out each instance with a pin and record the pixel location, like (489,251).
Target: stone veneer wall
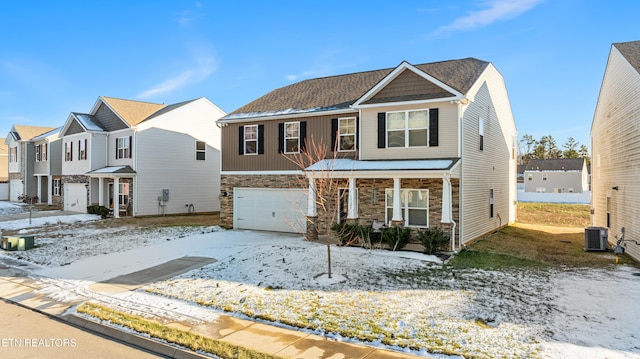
(369,208)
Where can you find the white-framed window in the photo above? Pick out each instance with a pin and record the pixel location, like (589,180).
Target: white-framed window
(408,128)
(38,153)
(544,176)
(291,137)
(123,147)
(123,196)
(347,134)
(68,151)
(541,189)
(57,187)
(44,155)
(13,154)
(251,140)
(201,150)
(82,149)
(414,205)
(529,176)
(481,132)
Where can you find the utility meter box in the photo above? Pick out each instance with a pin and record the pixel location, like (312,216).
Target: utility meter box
(165,195)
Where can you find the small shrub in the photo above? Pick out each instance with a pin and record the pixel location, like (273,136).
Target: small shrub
(396,237)
(102,211)
(433,239)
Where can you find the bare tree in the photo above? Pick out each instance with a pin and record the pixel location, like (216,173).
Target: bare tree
(318,165)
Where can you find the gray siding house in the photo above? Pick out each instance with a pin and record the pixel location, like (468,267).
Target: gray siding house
(567,175)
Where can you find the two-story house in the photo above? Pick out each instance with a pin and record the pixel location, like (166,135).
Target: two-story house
(141,158)
(615,148)
(22,160)
(417,145)
(47,166)
(556,175)
(4,170)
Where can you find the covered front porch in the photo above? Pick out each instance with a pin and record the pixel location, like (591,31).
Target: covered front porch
(411,193)
(112,187)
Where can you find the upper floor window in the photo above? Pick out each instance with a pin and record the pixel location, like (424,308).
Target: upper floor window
(251,140)
(68,151)
(407,128)
(544,176)
(201,150)
(38,153)
(13,154)
(481,132)
(491,203)
(292,137)
(82,149)
(347,134)
(123,147)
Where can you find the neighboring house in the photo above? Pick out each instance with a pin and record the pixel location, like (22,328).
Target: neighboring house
(520,177)
(47,166)
(21,160)
(141,158)
(4,170)
(430,145)
(615,147)
(566,175)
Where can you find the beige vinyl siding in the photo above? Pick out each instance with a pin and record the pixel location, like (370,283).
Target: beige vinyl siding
(319,127)
(492,168)
(615,145)
(447,134)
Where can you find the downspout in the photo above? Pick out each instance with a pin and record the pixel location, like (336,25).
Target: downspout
(461,189)
(134,179)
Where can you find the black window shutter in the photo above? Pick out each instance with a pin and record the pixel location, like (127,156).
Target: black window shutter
(241,140)
(303,136)
(334,134)
(355,145)
(433,127)
(79,147)
(116,148)
(281,138)
(382,129)
(260,139)
(130,146)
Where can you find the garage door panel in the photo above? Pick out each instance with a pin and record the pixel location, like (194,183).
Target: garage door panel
(75,197)
(278,210)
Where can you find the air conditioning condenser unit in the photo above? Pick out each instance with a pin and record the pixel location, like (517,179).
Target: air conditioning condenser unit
(596,239)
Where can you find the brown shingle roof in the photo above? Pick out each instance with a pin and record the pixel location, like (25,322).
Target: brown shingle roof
(339,92)
(631,52)
(29,132)
(133,112)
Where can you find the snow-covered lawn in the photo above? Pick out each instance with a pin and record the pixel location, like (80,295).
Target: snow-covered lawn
(402,300)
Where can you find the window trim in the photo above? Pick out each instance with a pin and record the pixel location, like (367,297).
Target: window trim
(82,149)
(285,137)
(407,129)
(404,203)
(481,132)
(202,151)
(491,203)
(340,135)
(123,147)
(68,151)
(250,140)
(38,150)
(57,187)
(13,154)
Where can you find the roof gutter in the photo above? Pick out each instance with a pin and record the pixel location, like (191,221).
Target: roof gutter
(257,117)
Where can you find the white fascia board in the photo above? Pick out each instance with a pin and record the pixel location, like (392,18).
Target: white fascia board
(377,174)
(391,76)
(416,102)
(262,173)
(286,117)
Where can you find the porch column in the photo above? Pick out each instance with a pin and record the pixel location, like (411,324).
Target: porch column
(116,197)
(352,210)
(50,189)
(39,183)
(446,201)
(100,191)
(397,210)
(311,199)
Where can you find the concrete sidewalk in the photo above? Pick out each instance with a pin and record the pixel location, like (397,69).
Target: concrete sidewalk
(17,288)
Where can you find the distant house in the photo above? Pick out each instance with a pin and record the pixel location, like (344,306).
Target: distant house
(427,145)
(568,175)
(141,158)
(615,146)
(4,170)
(21,160)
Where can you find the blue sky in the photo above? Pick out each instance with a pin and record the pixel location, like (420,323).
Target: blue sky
(57,57)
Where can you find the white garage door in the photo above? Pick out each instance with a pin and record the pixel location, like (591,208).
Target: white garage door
(75,197)
(4,191)
(270,209)
(15,190)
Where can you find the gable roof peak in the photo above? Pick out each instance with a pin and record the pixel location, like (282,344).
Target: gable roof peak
(631,52)
(132,112)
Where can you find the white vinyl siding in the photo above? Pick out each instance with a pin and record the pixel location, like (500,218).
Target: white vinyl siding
(615,146)
(71,165)
(447,134)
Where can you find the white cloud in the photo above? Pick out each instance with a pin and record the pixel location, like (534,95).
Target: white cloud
(205,66)
(496,10)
